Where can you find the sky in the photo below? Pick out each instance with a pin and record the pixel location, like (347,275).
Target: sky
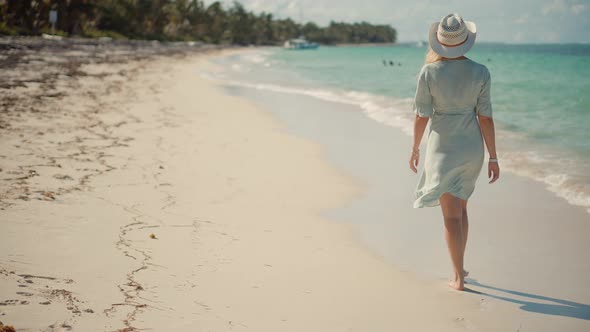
(510,21)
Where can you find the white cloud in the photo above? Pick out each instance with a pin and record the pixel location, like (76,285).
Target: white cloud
(557,6)
(292,5)
(578,8)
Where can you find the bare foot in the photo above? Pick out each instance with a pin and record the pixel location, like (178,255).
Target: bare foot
(456,284)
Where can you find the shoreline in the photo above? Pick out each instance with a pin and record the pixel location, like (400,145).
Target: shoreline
(512,220)
(387,183)
(183,161)
(522,156)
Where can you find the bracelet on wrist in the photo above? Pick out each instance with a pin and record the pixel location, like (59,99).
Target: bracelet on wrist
(493,160)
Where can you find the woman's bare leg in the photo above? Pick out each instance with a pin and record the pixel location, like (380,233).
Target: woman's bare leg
(465,229)
(452,210)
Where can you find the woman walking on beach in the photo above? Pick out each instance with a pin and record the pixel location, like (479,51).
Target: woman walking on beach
(453,92)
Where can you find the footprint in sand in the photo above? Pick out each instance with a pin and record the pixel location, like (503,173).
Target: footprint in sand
(63,177)
(9,302)
(61,327)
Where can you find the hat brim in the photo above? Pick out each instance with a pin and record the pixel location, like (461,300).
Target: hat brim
(452,51)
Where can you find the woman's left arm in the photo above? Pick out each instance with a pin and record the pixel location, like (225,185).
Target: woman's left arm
(488,132)
(419,127)
(423,109)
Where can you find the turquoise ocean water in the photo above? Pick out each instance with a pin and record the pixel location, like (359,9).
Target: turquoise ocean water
(540,95)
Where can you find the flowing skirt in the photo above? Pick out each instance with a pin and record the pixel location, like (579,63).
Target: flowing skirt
(453,160)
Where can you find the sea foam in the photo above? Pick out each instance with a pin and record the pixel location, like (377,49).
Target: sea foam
(396,113)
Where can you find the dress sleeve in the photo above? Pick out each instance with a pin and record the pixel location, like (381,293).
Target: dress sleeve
(423,99)
(484,100)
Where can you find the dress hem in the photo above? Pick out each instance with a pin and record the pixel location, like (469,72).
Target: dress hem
(421,203)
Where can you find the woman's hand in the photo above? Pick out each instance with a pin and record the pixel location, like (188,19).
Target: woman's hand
(414,159)
(493,171)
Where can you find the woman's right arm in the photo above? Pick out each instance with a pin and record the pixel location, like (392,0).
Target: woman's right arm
(488,132)
(486,123)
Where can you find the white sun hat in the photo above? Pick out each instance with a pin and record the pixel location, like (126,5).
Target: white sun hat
(452,37)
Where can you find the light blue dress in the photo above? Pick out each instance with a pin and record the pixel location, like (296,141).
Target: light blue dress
(451,93)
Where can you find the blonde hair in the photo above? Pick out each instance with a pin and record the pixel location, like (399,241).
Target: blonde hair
(431,56)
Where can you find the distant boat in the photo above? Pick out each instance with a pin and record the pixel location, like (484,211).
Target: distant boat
(421,43)
(300,44)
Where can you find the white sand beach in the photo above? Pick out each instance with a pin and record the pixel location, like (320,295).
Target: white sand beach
(144,197)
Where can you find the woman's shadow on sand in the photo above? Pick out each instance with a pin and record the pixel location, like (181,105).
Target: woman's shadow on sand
(560,308)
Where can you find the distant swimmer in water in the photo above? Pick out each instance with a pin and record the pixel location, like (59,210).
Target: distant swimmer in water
(391,63)
(385,63)
(399,64)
